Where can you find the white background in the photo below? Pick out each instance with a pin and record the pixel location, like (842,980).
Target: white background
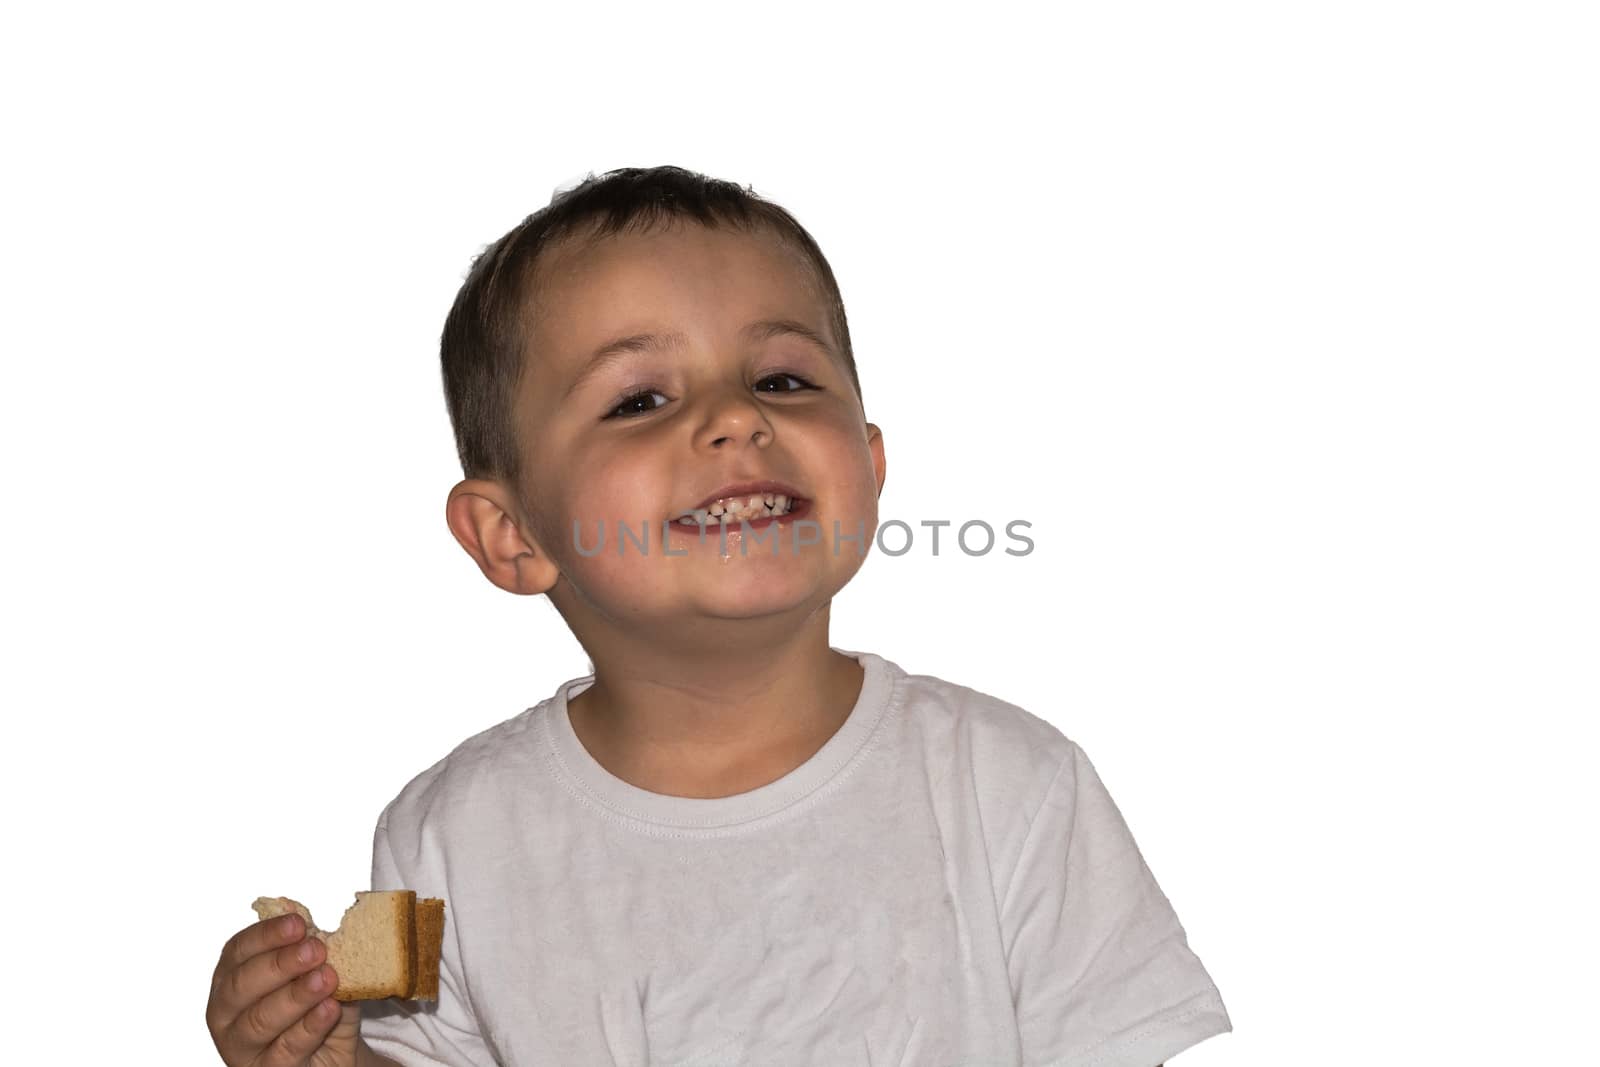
(1277,321)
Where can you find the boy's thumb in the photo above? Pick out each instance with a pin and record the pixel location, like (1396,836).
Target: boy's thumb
(349,1023)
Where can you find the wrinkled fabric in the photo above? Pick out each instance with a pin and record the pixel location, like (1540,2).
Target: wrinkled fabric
(945,882)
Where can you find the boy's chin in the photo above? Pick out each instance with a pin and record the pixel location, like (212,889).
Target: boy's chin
(741,609)
(745,604)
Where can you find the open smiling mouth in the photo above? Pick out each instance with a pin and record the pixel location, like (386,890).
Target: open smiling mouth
(756,510)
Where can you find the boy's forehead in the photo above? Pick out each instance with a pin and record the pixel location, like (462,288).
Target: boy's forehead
(585,288)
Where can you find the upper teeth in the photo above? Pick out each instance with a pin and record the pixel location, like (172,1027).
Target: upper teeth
(737,508)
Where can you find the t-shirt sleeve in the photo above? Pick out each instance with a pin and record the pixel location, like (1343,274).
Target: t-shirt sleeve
(1101,970)
(417,1033)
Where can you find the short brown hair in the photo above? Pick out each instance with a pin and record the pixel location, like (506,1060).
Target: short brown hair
(481,349)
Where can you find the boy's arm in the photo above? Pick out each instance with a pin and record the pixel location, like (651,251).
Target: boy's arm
(1096,955)
(448,1034)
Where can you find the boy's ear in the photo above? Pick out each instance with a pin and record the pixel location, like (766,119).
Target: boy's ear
(482,517)
(875,442)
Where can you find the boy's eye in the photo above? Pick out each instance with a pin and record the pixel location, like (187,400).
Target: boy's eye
(630,405)
(779,377)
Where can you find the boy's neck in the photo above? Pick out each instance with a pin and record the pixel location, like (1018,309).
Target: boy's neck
(716,727)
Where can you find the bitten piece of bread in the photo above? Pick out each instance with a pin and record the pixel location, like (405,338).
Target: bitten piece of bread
(387,944)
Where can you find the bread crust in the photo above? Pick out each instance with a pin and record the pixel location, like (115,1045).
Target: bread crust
(430,941)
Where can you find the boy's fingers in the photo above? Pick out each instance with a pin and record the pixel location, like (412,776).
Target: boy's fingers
(228,993)
(290,1023)
(259,937)
(303,1037)
(262,975)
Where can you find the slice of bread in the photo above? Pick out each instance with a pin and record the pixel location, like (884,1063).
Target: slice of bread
(387,944)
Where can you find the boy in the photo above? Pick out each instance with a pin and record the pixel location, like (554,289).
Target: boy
(731,843)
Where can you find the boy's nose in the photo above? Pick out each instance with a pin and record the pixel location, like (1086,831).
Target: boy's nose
(734,420)
(757,437)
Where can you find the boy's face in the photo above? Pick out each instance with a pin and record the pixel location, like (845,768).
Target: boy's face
(716,408)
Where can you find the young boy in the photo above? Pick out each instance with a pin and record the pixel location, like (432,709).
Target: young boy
(731,843)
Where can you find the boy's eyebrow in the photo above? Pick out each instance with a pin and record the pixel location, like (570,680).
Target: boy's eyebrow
(617,348)
(765,329)
(620,347)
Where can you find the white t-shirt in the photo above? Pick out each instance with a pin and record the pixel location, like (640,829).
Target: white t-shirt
(945,883)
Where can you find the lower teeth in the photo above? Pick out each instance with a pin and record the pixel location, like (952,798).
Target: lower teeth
(729,518)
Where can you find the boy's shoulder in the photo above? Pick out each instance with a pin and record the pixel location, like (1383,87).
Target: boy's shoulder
(475,768)
(1007,748)
(1002,728)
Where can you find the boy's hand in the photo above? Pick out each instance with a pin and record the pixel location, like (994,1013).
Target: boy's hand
(266,1009)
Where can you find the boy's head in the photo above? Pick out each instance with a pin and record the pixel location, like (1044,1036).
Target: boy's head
(486,339)
(649,338)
